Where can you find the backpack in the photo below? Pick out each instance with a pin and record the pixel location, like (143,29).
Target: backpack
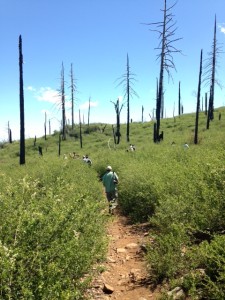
(115,179)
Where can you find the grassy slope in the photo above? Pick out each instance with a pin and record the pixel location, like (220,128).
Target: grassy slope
(172,186)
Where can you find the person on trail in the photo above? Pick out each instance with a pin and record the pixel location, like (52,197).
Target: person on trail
(87,160)
(110,180)
(186,146)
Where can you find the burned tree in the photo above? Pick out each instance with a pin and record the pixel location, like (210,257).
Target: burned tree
(142,114)
(63,104)
(73,90)
(9,134)
(59,146)
(210,72)
(118,111)
(45,126)
(206,103)
(179,101)
(22,115)
(128,80)
(166,30)
(81,141)
(198,101)
(89,110)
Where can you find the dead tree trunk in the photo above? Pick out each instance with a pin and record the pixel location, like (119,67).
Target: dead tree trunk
(22,115)
(210,75)
(127,80)
(73,89)
(118,111)
(206,104)
(198,101)
(166,33)
(59,148)
(213,74)
(81,142)
(9,134)
(89,109)
(45,126)
(210,107)
(63,104)
(142,114)
(179,101)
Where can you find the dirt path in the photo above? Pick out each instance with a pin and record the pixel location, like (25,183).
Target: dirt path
(124,276)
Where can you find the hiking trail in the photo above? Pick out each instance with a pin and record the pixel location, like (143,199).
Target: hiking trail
(124,275)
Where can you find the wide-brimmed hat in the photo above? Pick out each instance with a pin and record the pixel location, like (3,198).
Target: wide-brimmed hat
(109,168)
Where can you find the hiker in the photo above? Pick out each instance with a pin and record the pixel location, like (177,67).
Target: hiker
(87,160)
(110,181)
(186,146)
(160,136)
(132,147)
(40,150)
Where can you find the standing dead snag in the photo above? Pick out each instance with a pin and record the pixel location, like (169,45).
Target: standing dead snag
(89,110)
(128,80)
(22,117)
(166,30)
(63,104)
(45,126)
(81,141)
(118,111)
(198,101)
(179,101)
(59,145)
(73,89)
(210,73)
(9,134)
(206,101)
(142,114)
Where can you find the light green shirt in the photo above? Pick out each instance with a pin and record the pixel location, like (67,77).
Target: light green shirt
(108,181)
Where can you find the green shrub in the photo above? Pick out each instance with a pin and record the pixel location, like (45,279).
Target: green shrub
(206,278)
(52,231)
(166,255)
(51,209)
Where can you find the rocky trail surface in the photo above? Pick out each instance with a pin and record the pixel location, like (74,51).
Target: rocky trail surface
(124,275)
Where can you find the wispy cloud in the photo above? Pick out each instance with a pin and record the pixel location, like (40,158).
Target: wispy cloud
(31,88)
(47,94)
(222,28)
(85,105)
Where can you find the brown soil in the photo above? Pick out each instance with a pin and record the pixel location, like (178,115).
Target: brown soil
(124,275)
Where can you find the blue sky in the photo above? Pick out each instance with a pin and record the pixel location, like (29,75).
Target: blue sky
(96,36)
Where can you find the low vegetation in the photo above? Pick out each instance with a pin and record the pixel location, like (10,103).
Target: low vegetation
(52,229)
(52,215)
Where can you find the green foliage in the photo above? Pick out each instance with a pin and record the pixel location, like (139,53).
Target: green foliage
(52,230)
(166,257)
(206,279)
(52,216)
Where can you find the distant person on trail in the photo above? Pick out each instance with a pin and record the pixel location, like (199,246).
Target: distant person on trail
(186,146)
(40,150)
(87,160)
(110,181)
(132,147)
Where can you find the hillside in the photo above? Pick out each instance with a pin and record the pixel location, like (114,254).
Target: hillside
(178,192)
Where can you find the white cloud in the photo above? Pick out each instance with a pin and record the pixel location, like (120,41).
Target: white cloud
(48,95)
(85,105)
(31,88)
(222,28)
